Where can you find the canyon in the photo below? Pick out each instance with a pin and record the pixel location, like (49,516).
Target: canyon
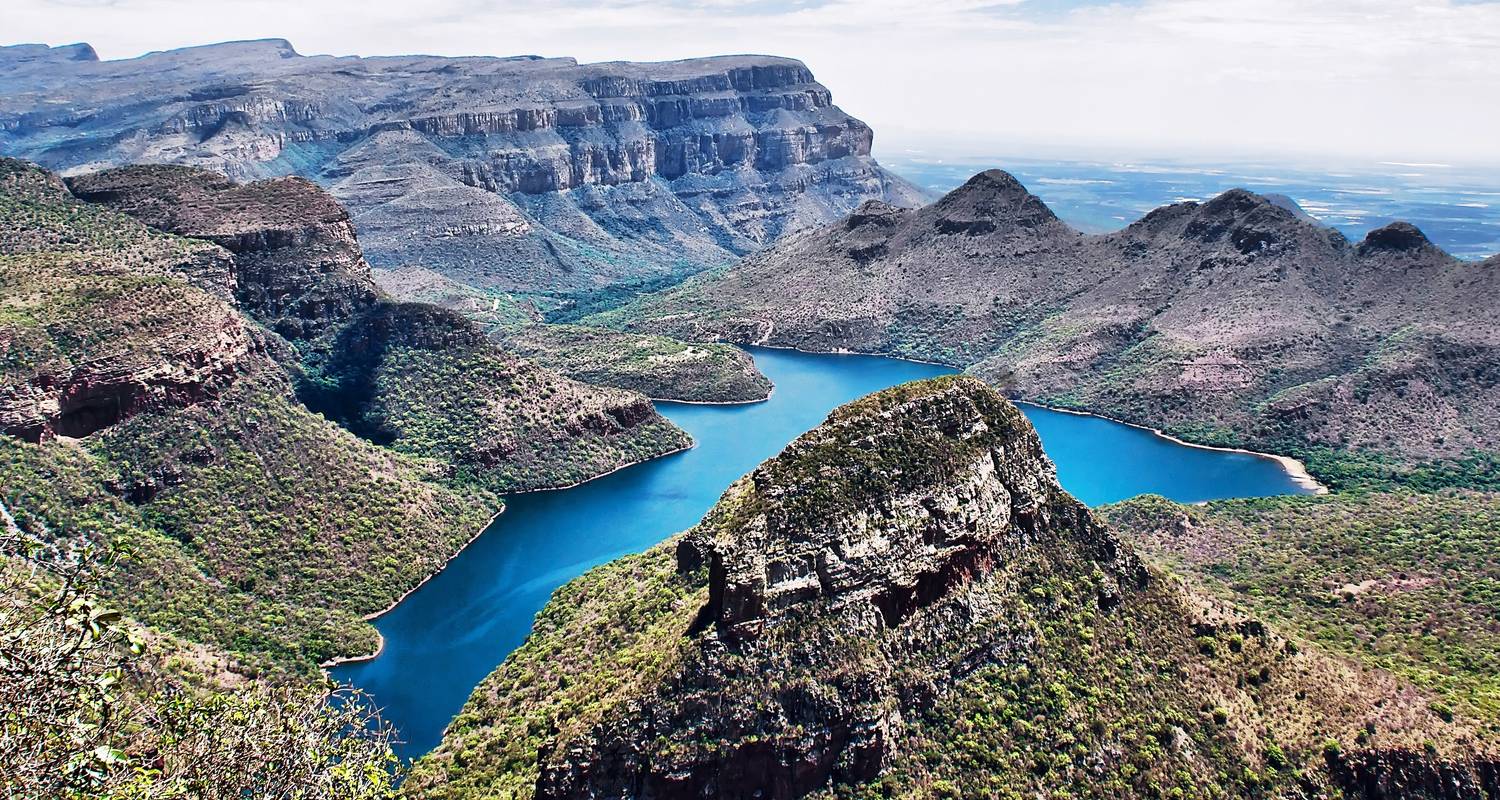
(1231,321)
(905,602)
(538,176)
(289,332)
(206,372)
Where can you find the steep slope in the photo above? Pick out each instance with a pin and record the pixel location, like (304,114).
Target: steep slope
(168,341)
(531,174)
(298,268)
(1232,320)
(144,412)
(145,403)
(905,603)
(423,380)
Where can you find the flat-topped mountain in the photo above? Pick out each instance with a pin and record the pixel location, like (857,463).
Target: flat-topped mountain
(905,603)
(1233,319)
(530,174)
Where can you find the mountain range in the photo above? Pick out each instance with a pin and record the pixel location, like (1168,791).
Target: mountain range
(533,175)
(289,367)
(1236,320)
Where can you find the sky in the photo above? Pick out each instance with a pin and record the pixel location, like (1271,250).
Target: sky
(1341,81)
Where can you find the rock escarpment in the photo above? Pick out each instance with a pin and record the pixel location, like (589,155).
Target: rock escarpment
(1235,319)
(418,378)
(847,518)
(904,602)
(532,174)
(188,447)
(298,266)
(255,523)
(104,326)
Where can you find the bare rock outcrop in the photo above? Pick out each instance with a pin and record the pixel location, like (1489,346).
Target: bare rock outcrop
(298,266)
(864,535)
(533,174)
(839,519)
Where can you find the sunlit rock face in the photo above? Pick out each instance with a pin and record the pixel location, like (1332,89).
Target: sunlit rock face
(522,173)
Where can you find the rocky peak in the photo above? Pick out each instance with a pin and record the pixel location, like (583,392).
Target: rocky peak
(884,508)
(991,201)
(1248,222)
(298,267)
(1286,202)
(1236,202)
(1397,237)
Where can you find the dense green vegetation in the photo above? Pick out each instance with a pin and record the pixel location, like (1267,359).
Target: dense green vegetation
(600,641)
(500,435)
(426,382)
(1407,581)
(574,306)
(655,366)
(94,707)
(276,500)
(253,524)
(1134,703)
(1056,671)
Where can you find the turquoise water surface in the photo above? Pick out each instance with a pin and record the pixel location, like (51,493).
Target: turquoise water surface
(447,636)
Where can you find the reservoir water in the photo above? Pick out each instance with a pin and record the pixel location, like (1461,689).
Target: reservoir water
(447,636)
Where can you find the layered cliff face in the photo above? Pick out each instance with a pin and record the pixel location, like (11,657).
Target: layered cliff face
(102,325)
(298,267)
(146,401)
(420,379)
(143,410)
(905,603)
(1231,320)
(540,175)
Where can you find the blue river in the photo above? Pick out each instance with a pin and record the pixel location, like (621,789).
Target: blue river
(447,636)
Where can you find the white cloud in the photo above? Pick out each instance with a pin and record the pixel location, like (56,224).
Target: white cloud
(1409,80)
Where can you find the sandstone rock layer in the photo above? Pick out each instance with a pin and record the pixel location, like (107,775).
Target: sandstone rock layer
(541,175)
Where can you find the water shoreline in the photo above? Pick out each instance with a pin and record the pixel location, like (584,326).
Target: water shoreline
(715,402)
(374,615)
(1294,468)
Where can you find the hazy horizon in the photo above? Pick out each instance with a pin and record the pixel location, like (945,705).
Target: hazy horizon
(1359,81)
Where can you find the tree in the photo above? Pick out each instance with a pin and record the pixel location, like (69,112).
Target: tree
(84,714)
